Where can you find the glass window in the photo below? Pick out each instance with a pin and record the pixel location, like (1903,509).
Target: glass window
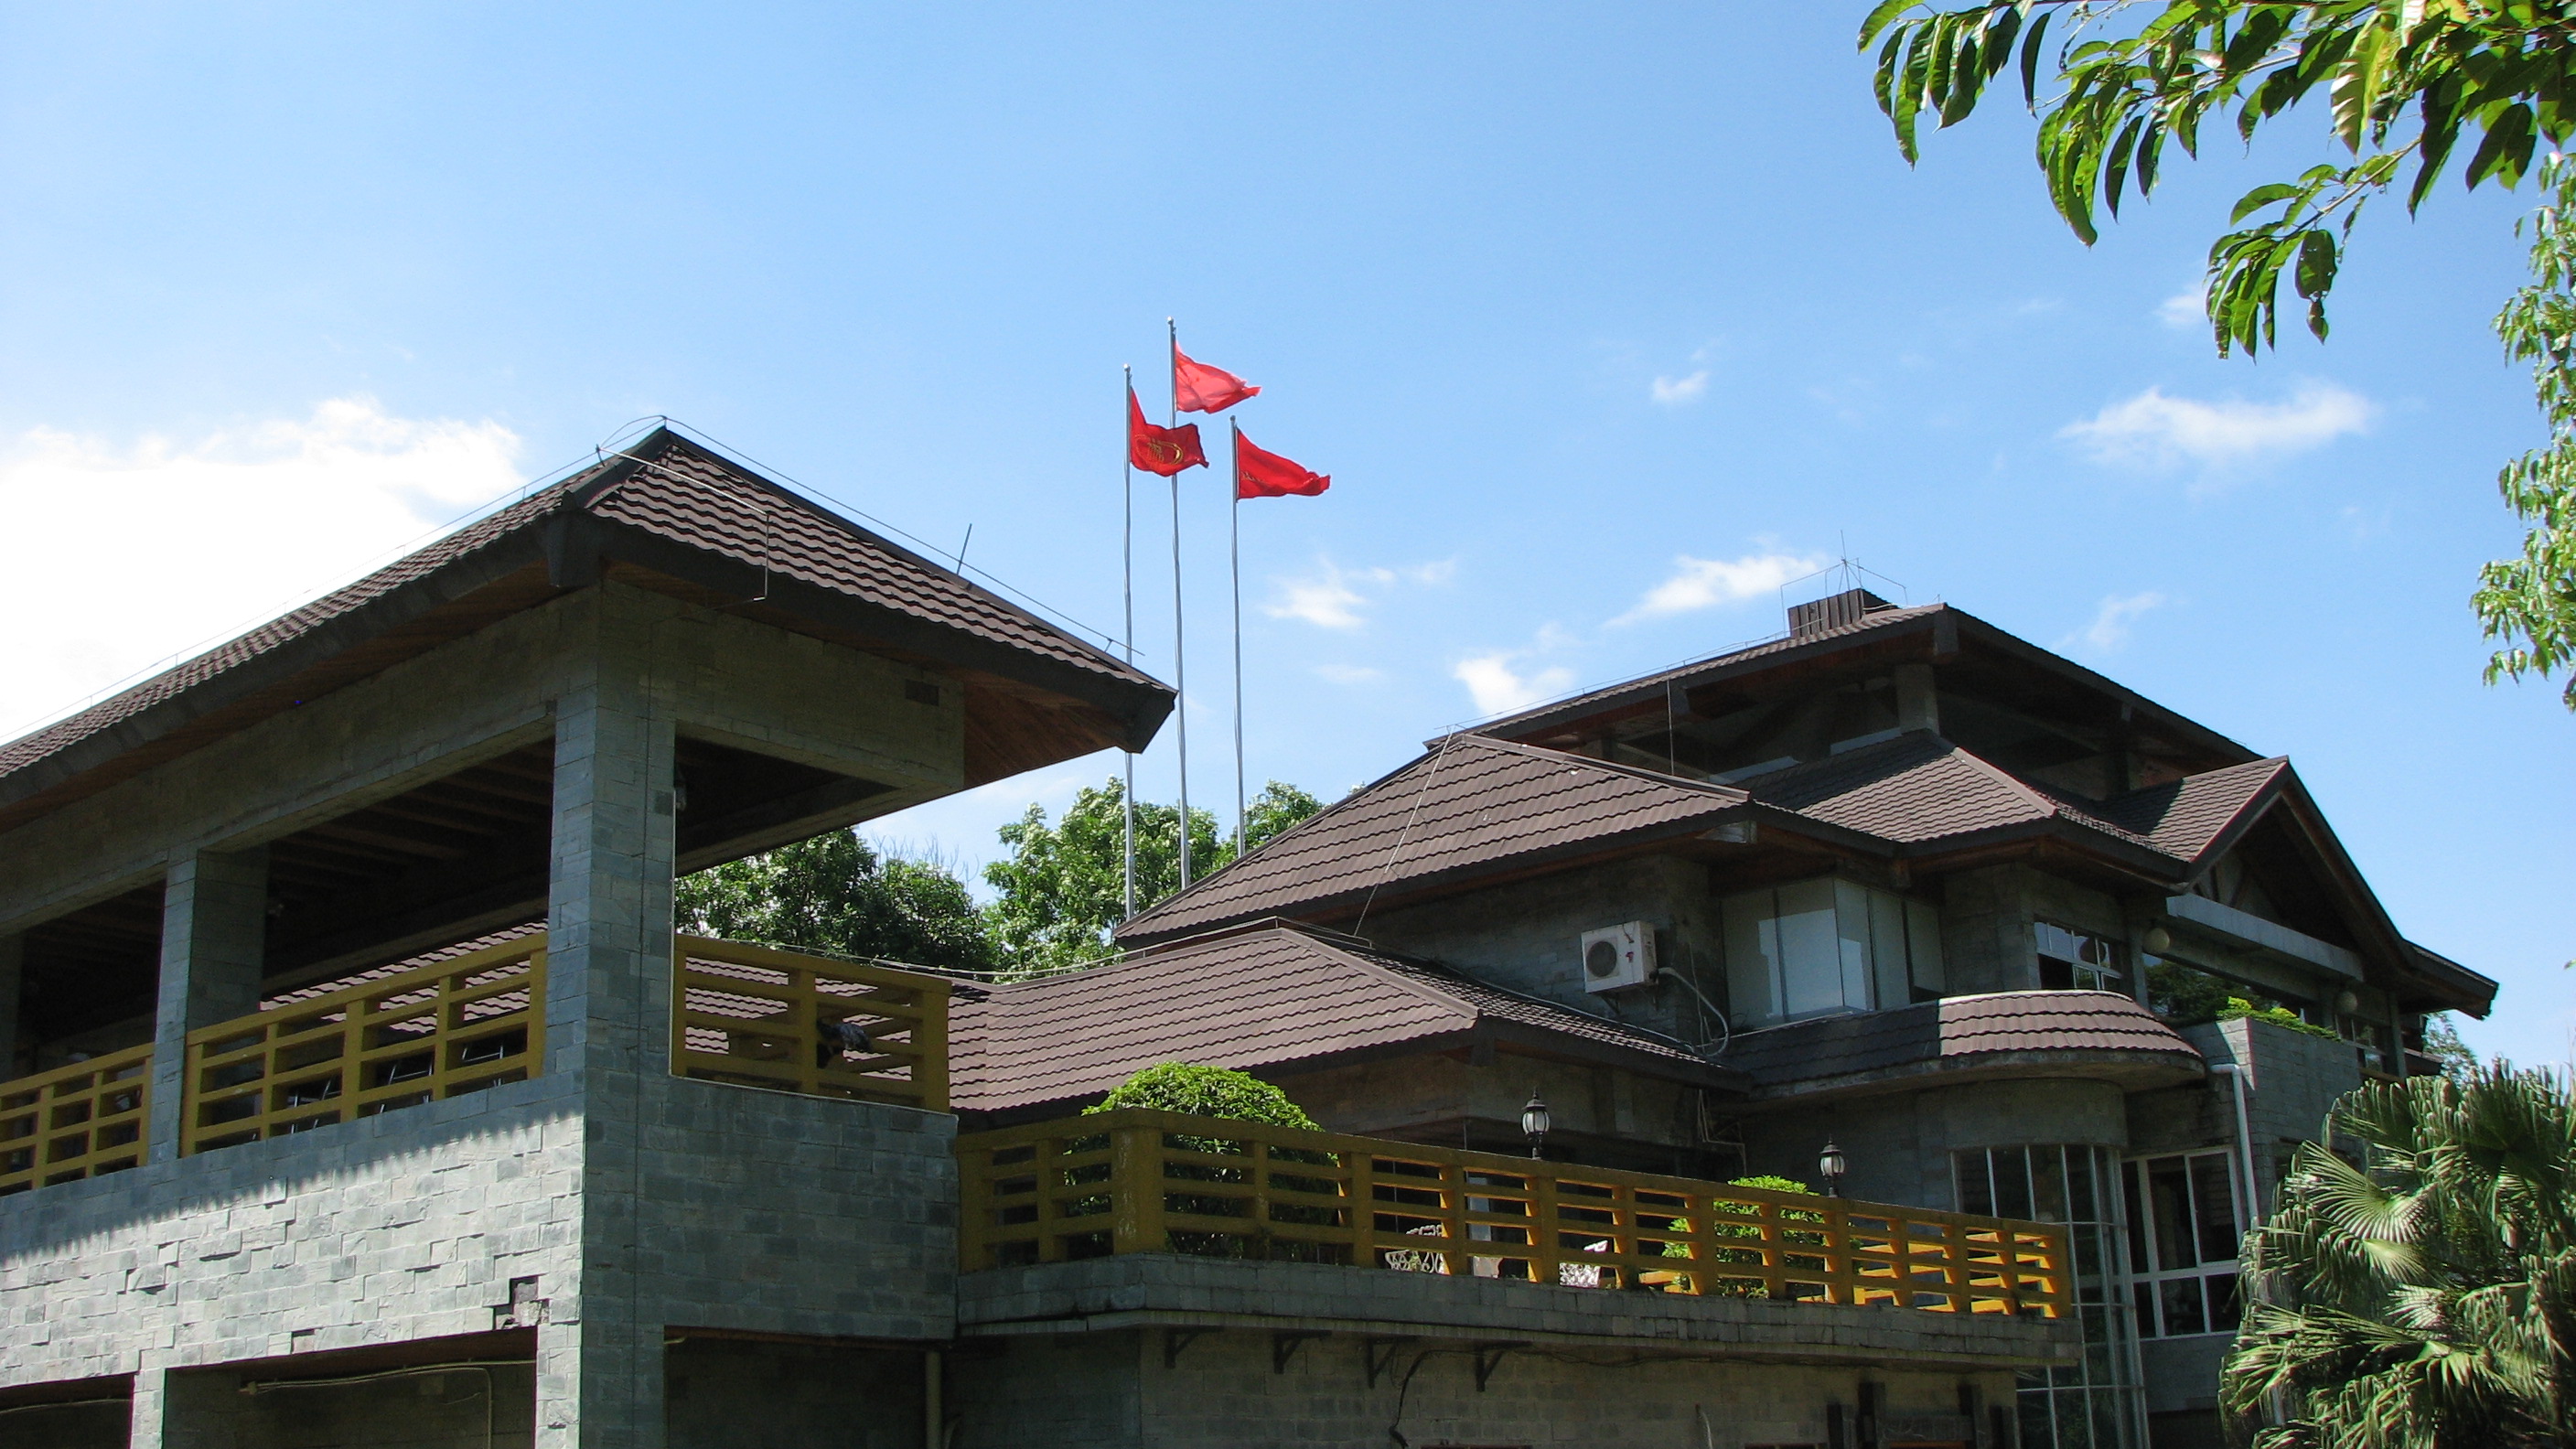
(2077,960)
(2182,1249)
(2095,1403)
(1825,946)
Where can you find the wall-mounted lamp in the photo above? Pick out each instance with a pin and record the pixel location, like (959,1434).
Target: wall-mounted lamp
(2156,941)
(1534,1125)
(1831,1165)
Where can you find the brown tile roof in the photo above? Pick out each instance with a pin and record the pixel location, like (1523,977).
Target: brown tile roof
(1955,1032)
(1264,998)
(692,496)
(1920,787)
(2182,817)
(1468,805)
(663,487)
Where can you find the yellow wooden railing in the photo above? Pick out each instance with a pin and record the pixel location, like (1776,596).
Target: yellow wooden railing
(438,1031)
(763,1018)
(1136,1181)
(75,1121)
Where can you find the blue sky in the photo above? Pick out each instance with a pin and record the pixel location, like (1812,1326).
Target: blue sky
(1603,322)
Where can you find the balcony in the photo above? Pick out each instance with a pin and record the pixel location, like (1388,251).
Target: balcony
(744,1014)
(1133,1181)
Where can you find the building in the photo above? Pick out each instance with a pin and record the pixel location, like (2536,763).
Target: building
(359,1092)
(2013,938)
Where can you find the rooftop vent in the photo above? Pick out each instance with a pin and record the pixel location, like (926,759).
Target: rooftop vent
(1833,612)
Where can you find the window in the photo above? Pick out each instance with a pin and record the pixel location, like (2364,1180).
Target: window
(2182,1242)
(2077,961)
(1826,946)
(2094,1403)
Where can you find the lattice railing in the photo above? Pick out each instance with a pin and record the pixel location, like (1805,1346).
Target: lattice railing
(436,1031)
(75,1121)
(764,1018)
(1137,1181)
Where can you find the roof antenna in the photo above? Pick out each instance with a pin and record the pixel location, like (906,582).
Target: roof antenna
(961,548)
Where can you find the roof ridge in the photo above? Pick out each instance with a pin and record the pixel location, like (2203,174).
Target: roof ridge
(1730,793)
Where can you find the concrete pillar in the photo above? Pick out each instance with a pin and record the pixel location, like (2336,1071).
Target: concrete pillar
(608,985)
(13,963)
(214,930)
(1917,706)
(176,1409)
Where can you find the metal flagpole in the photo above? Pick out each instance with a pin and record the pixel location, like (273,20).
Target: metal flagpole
(1127,551)
(1180,664)
(1234,549)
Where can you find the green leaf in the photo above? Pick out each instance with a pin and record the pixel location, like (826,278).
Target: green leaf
(2317,262)
(2260,197)
(2506,149)
(2030,52)
(1880,18)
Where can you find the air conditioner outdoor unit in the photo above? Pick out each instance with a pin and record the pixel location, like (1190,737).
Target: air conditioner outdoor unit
(1616,958)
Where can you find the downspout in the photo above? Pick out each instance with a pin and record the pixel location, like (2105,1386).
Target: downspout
(2244,1139)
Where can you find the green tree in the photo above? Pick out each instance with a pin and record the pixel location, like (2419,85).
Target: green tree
(2425,1296)
(1064,887)
(834,893)
(2404,86)
(1205,1092)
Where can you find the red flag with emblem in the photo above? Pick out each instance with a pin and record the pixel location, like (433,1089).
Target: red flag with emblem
(1262,474)
(1199,388)
(1161,450)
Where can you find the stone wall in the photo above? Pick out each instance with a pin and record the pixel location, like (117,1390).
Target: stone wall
(1114,1390)
(722,1394)
(1899,1143)
(1528,935)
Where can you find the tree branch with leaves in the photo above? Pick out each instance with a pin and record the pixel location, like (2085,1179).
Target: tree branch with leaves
(2407,87)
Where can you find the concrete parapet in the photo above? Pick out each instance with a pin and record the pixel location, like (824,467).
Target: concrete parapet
(1138,1290)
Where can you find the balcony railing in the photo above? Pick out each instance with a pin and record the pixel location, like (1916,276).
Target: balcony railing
(438,1031)
(1156,1182)
(741,1013)
(763,1018)
(75,1121)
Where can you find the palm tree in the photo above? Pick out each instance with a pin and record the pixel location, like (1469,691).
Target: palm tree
(2425,1297)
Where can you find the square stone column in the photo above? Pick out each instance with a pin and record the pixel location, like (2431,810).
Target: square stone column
(608,1022)
(214,935)
(13,962)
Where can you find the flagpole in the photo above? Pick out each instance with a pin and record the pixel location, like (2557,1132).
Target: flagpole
(1180,664)
(1127,554)
(1234,550)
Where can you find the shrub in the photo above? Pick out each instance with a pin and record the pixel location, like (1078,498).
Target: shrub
(2240,1009)
(1206,1092)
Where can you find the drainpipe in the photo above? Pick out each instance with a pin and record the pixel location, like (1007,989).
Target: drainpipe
(2244,1139)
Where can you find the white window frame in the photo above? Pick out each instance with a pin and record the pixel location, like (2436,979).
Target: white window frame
(2147,1245)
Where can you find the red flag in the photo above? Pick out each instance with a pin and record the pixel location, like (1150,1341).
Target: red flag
(1161,450)
(1199,388)
(1267,475)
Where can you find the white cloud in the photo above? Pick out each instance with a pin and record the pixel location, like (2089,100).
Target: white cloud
(1330,598)
(128,554)
(1349,673)
(2110,627)
(1672,392)
(1702,583)
(1498,687)
(2154,430)
(2186,308)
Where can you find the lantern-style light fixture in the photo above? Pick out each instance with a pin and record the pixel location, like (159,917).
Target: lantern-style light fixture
(1831,1165)
(1534,1124)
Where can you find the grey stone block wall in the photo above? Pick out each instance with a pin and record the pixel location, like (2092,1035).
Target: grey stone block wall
(729,1393)
(1528,936)
(1115,1391)
(2296,1078)
(406,1225)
